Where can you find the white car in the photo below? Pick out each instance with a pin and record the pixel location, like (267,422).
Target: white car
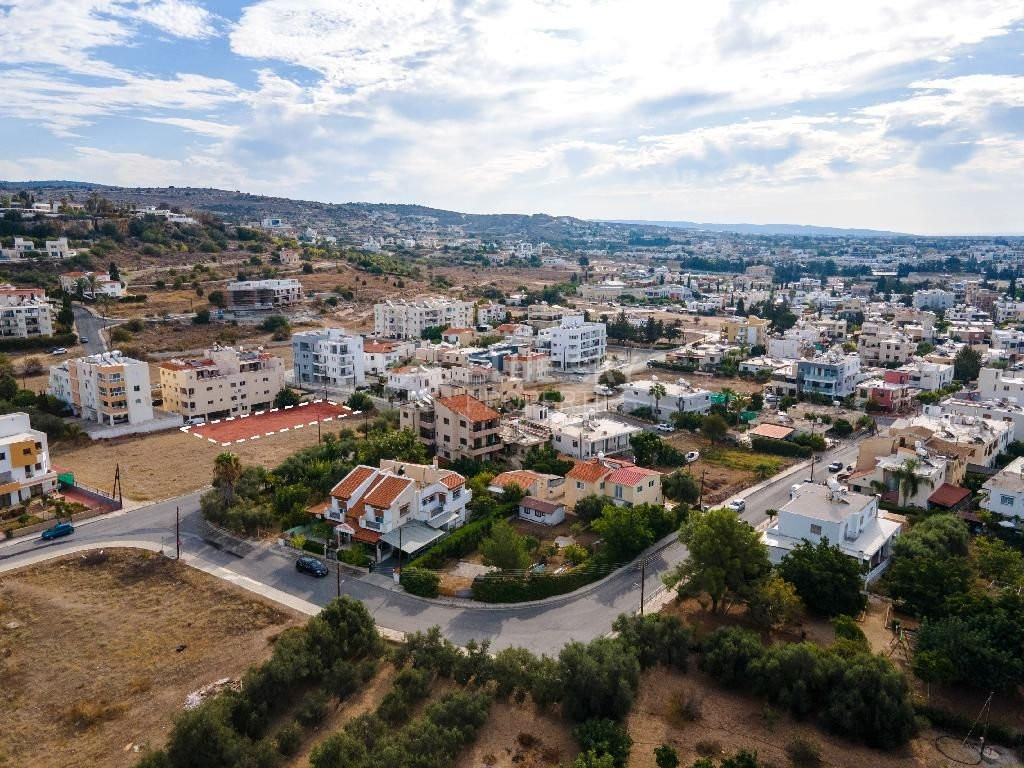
(664,427)
(737,505)
(691,456)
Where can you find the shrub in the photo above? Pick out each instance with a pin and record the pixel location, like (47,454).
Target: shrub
(803,753)
(599,679)
(655,639)
(289,739)
(604,737)
(421,582)
(728,652)
(37,342)
(780,447)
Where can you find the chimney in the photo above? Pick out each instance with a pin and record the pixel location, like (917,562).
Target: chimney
(434,462)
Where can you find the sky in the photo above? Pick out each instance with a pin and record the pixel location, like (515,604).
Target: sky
(898,114)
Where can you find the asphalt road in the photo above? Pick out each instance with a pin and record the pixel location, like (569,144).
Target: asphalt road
(89,325)
(541,628)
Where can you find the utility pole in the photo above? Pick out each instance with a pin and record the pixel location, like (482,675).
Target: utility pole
(700,500)
(177,533)
(643,572)
(337,571)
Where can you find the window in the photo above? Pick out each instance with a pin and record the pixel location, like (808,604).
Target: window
(579,485)
(816,530)
(1006,501)
(403,510)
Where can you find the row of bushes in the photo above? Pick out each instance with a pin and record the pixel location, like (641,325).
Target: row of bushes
(519,589)
(459,543)
(780,447)
(37,342)
(420,582)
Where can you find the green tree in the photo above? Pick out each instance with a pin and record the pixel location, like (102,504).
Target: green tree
(775,603)
(201,317)
(657,391)
(286,397)
(829,582)
(599,679)
(714,428)
(589,508)
(966,364)
(613,377)
(360,401)
(681,487)
(726,558)
(666,756)
(624,532)
(929,566)
(544,458)
(227,468)
(997,561)
(217,299)
(504,548)
(114,272)
(401,445)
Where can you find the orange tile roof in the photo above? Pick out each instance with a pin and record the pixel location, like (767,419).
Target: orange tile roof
(588,471)
(319,509)
(351,481)
(362,534)
(524,478)
(631,475)
(385,492)
(468,406)
(774,431)
(453,480)
(374,347)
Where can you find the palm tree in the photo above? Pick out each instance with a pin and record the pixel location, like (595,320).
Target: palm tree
(227,468)
(907,481)
(657,391)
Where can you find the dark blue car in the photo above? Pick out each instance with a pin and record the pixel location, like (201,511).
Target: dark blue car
(312,566)
(58,530)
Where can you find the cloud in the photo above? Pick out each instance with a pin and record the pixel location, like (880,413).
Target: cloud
(180,18)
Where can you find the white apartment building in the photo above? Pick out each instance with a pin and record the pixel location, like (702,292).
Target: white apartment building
(881,343)
(831,374)
(378,356)
(574,343)
(934,299)
(330,357)
(927,376)
(995,384)
(680,397)
(398,505)
(25,469)
(584,437)
(851,521)
(24,312)
(491,314)
(107,388)
(224,382)
(1006,311)
(408,319)
(1007,343)
(1006,492)
(1004,410)
(412,382)
(246,295)
(786,347)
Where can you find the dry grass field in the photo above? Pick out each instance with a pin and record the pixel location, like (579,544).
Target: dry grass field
(90,665)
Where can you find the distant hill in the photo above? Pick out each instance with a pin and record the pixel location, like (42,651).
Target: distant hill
(806,230)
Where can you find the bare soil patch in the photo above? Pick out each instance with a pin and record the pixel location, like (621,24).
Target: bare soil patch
(516,735)
(93,668)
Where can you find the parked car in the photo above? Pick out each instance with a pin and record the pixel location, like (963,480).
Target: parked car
(835,466)
(58,530)
(664,427)
(312,566)
(691,456)
(82,340)
(196,421)
(737,505)
(58,351)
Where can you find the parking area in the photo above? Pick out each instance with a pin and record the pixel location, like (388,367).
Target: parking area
(267,423)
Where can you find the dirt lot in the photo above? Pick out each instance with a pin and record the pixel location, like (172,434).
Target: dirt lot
(516,736)
(185,462)
(725,470)
(93,668)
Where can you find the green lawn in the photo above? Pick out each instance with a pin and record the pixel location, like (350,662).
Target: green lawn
(748,461)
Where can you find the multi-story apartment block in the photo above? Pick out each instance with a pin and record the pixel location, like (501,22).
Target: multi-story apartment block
(224,382)
(934,299)
(107,388)
(378,356)
(680,397)
(491,314)
(1006,311)
(408,319)
(24,312)
(995,384)
(983,440)
(531,367)
(542,316)
(488,385)
(1006,344)
(575,343)
(928,376)
(244,295)
(399,505)
(412,382)
(748,331)
(882,344)
(831,374)
(328,357)
(587,436)
(891,393)
(24,461)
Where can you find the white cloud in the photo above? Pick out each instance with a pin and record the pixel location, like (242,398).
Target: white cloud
(180,18)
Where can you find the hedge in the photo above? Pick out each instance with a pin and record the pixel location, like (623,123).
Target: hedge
(38,342)
(780,447)
(137,298)
(419,581)
(457,544)
(519,589)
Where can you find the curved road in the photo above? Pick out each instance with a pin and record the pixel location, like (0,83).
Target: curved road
(540,627)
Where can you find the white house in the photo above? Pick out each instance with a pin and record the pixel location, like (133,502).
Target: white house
(934,298)
(928,377)
(411,382)
(851,521)
(541,511)
(587,436)
(378,356)
(680,397)
(25,469)
(1006,491)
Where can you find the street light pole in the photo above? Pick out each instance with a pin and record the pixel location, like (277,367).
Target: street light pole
(177,533)
(643,572)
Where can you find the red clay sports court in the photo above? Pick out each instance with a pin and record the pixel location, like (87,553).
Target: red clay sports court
(268,423)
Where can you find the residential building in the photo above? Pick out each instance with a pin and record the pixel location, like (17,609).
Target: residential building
(620,482)
(408,319)
(397,505)
(488,385)
(107,388)
(457,426)
(984,439)
(786,347)
(996,384)
(223,382)
(541,511)
(575,343)
(1007,344)
(328,357)
(378,356)
(91,284)
(24,312)
(412,382)
(934,299)
(530,367)
(889,476)
(514,331)
(25,470)
(879,343)
(536,484)
(252,295)
(1003,409)
(1007,311)
(461,337)
(927,376)
(849,520)
(748,331)
(831,374)
(1006,492)
(680,397)
(891,393)
(542,316)
(703,357)
(491,314)
(587,436)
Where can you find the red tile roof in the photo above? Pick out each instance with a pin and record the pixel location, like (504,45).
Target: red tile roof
(351,481)
(385,492)
(774,431)
(468,406)
(362,534)
(524,478)
(376,347)
(588,471)
(948,495)
(453,480)
(631,475)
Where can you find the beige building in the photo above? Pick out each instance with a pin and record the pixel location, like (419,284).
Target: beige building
(24,461)
(746,331)
(458,426)
(620,482)
(24,312)
(107,388)
(224,382)
(488,385)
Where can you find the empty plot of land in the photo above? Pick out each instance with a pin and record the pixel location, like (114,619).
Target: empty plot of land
(101,651)
(269,423)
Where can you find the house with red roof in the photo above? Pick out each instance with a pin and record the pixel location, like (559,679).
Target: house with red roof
(620,482)
(457,426)
(397,505)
